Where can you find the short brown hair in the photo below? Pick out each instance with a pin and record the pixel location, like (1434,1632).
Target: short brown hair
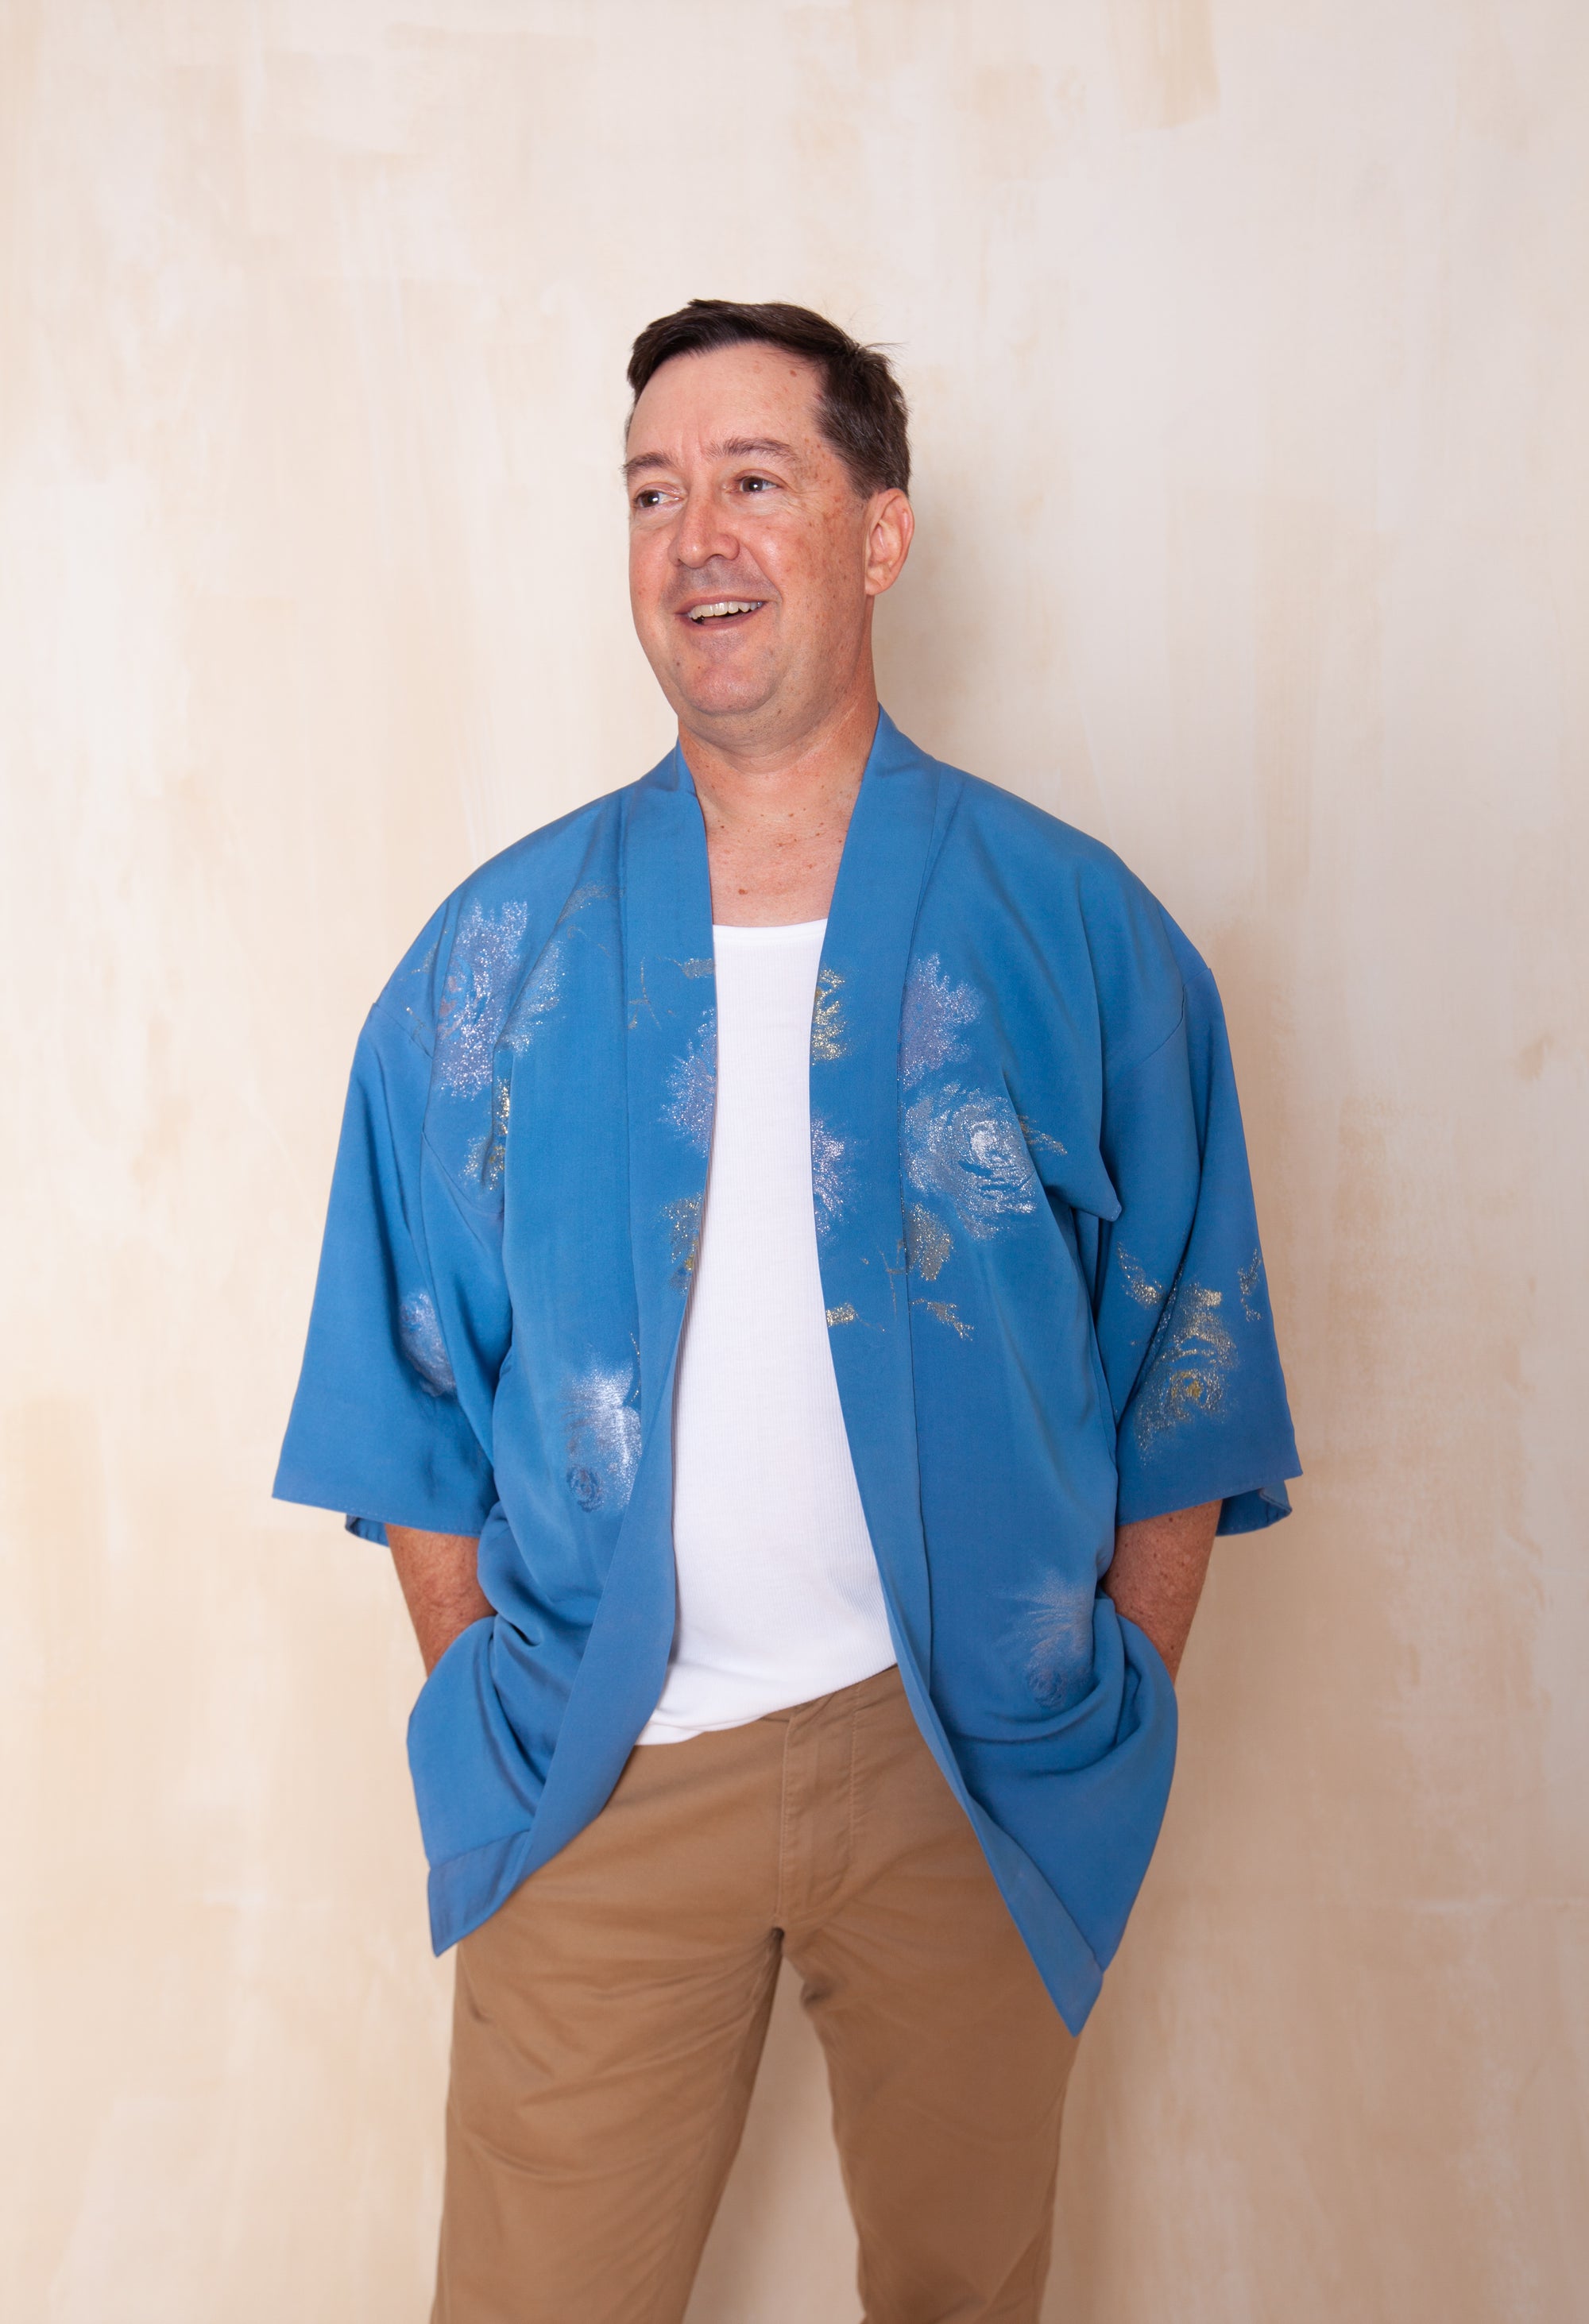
(860,407)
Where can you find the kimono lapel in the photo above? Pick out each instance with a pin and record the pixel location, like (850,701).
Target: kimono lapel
(671,1087)
(856,1156)
(670,1042)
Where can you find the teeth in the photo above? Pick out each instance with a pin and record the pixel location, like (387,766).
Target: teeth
(724,605)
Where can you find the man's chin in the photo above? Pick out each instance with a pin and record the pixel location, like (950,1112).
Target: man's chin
(722,698)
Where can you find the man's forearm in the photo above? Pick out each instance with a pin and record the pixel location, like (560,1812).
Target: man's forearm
(1158,1573)
(1156,1579)
(440,1586)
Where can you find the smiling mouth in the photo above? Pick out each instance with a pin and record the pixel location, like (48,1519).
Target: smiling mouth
(724,609)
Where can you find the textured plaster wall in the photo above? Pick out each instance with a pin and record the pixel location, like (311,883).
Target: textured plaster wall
(1247,344)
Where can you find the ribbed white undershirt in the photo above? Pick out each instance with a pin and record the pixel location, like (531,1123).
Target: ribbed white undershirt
(779,1595)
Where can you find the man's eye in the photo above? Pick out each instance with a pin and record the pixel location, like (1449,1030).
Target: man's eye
(755,484)
(649,498)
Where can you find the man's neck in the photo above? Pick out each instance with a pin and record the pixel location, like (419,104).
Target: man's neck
(776,813)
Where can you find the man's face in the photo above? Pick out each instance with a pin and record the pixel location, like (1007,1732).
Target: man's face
(752,558)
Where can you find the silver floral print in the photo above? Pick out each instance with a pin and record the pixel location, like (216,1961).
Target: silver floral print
(929,1246)
(684,1239)
(965,1148)
(544,988)
(603,1435)
(1248,1278)
(828,1032)
(692,1088)
(592,891)
(934,1011)
(944,1311)
(1189,1359)
(481,980)
(1137,1286)
(1059,1637)
(419,1334)
(1040,1141)
(829,1175)
(487,1154)
(538,997)
(484,1005)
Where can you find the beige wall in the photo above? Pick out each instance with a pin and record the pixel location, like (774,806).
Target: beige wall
(1247,345)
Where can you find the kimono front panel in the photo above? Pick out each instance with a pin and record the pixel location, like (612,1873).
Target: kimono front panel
(1044,1301)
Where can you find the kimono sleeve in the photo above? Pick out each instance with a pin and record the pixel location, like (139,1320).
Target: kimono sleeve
(377,1429)
(1182,1311)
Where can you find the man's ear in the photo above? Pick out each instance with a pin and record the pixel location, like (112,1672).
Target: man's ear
(890,526)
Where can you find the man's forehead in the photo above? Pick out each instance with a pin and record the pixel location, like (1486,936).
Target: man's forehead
(730,403)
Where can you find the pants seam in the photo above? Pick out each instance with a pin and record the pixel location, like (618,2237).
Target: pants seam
(780,1913)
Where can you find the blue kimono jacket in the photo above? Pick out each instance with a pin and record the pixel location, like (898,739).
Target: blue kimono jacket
(1045,1297)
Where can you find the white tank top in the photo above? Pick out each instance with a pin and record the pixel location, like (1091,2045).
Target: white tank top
(779,1594)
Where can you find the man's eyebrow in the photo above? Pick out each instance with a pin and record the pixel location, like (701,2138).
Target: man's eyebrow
(733,448)
(744,447)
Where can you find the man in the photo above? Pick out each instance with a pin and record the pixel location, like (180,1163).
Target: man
(791,1301)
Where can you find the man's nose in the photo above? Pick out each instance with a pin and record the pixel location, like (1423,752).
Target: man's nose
(702,534)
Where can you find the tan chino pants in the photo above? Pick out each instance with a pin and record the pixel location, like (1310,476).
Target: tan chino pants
(610,2017)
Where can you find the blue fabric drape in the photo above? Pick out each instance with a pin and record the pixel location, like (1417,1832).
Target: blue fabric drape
(1045,1296)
